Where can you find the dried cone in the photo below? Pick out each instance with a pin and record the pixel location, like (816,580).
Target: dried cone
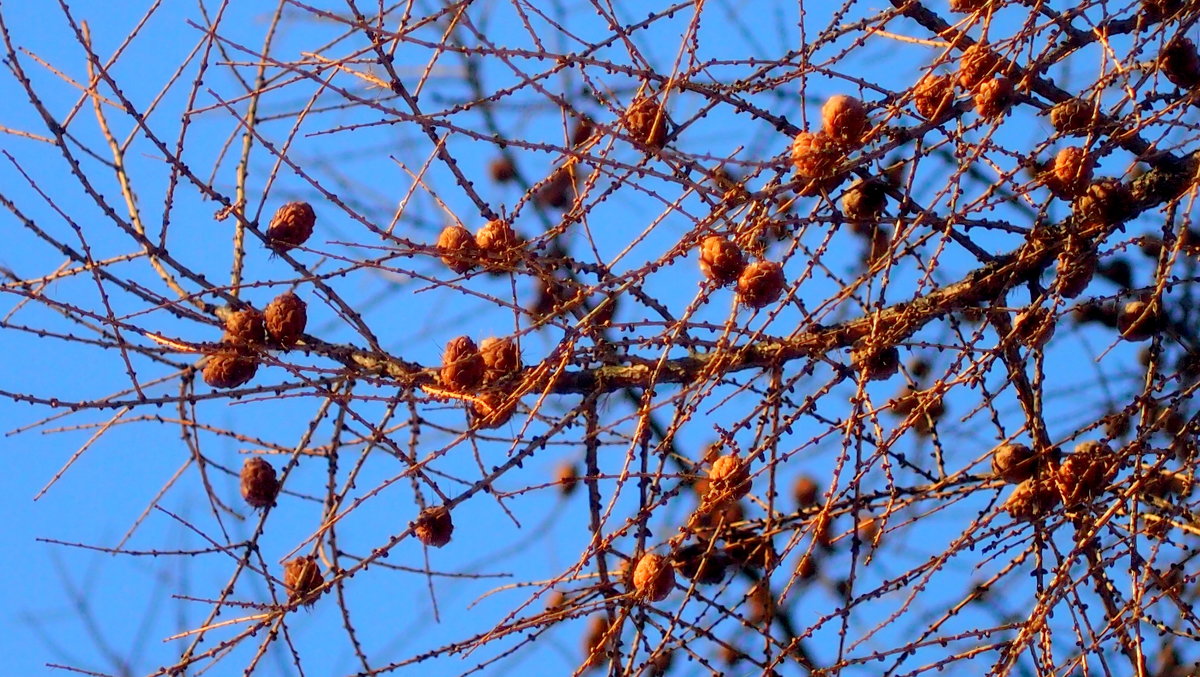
(1140,320)
(879,248)
(933,97)
(930,407)
(805,490)
(1070,174)
(558,190)
(596,643)
(760,603)
(816,156)
(994,97)
(844,119)
(1160,10)
(498,241)
(552,294)
(246,327)
(457,248)
(567,478)
(1034,327)
(302,577)
(492,409)
(434,527)
(919,367)
(286,317)
(501,358)
(978,63)
(584,129)
(659,663)
(1076,266)
(721,260)
(761,283)
(462,365)
(502,170)
(1086,472)
(1031,500)
(728,480)
(968,5)
(230,368)
(1094,311)
(874,362)
(1072,117)
(1014,463)
(865,200)
(806,568)
(1180,63)
(291,226)
(750,550)
(695,563)
(1106,201)
(259,484)
(653,578)
(646,122)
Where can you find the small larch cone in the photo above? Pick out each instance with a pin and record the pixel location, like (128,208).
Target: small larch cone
(844,119)
(933,97)
(1106,201)
(1034,327)
(457,248)
(978,63)
(994,97)
(498,242)
(230,368)
(1180,63)
(1160,10)
(876,363)
(807,568)
(865,200)
(501,358)
(750,550)
(302,577)
(492,409)
(968,5)
(246,327)
(1076,266)
(1032,499)
(584,129)
(502,170)
(462,365)
(558,190)
(646,122)
(1070,174)
(1072,117)
(761,283)
(1014,463)
(1087,471)
(1140,320)
(721,261)
(696,563)
(567,478)
(291,226)
(728,480)
(653,577)
(596,642)
(286,317)
(259,484)
(815,156)
(805,491)
(434,527)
